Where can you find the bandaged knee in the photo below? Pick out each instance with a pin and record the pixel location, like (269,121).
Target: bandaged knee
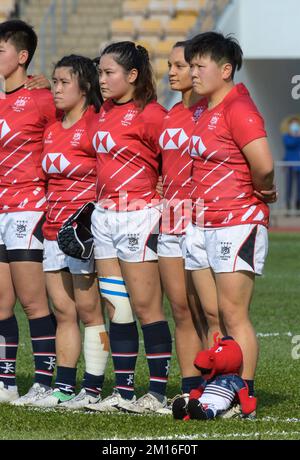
(96,349)
(113,289)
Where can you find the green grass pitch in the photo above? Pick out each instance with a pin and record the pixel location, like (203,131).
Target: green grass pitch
(276,315)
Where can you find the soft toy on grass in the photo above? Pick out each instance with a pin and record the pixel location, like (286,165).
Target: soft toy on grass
(221,384)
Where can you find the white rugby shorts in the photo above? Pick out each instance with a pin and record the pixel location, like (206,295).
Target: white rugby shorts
(227,249)
(21,230)
(127,235)
(171,245)
(55,259)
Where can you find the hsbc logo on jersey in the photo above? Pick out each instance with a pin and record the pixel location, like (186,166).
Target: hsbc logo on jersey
(172,138)
(103,142)
(196,147)
(4,128)
(55,163)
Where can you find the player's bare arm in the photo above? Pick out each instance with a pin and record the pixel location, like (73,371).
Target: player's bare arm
(260,159)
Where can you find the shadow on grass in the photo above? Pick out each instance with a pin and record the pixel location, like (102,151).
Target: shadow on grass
(267,399)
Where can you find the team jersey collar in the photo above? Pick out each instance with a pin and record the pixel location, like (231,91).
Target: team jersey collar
(14,90)
(238,90)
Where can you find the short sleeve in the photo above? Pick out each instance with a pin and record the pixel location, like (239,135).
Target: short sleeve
(154,119)
(245,123)
(45,103)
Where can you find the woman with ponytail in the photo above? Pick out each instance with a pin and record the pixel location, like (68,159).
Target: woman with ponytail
(125,223)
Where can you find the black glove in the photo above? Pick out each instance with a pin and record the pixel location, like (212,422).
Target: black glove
(75,237)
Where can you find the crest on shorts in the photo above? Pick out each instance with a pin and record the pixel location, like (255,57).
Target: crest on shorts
(133,241)
(225,250)
(21,228)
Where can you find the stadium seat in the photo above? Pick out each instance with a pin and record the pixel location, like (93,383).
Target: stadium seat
(135,10)
(160,67)
(6,7)
(150,28)
(180,26)
(162,7)
(163,48)
(207,23)
(190,7)
(148,44)
(122,29)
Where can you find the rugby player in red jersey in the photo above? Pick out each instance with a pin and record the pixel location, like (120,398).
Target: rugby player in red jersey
(233,176)
(24,115)
(69,163)
(125,223)
(178,125)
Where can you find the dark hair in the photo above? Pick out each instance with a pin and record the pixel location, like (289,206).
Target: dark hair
(181,44)
(219,48)
(87,75)
(130,56)
(21,35)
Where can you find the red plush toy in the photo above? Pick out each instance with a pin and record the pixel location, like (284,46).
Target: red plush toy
(221,384)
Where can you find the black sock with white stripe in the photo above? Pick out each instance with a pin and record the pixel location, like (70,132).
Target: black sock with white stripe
(65,379)
(124,345)
(43,331)
(158,347)
(9,341)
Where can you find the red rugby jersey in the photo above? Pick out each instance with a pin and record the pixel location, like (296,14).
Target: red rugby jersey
(24,116)
(125,139)
(178,125)
(221,174)
(70,166)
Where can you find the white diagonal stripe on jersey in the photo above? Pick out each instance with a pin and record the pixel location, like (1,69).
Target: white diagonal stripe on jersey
(178,224)
(130,178)
(202,211)
(183,151)
(214,169)
(186,181)
(17,193)
(248,213)
(124,166)
(177,206)
(210,155)
(146,194)
(12,153)
(73,170)
(87,174)
(72,185)
(218,182)
(164,179)
(11,138)
(172,197)
(40,202)
(188,164)
(101,190)
(3,191)
(169,187)
(119,151)
(112,206)
(18,164)
(83,192)
(59,213)
(194,189)
(52,207)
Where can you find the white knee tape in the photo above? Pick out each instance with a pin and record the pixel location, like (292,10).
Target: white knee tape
(96,349)
(114,290)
